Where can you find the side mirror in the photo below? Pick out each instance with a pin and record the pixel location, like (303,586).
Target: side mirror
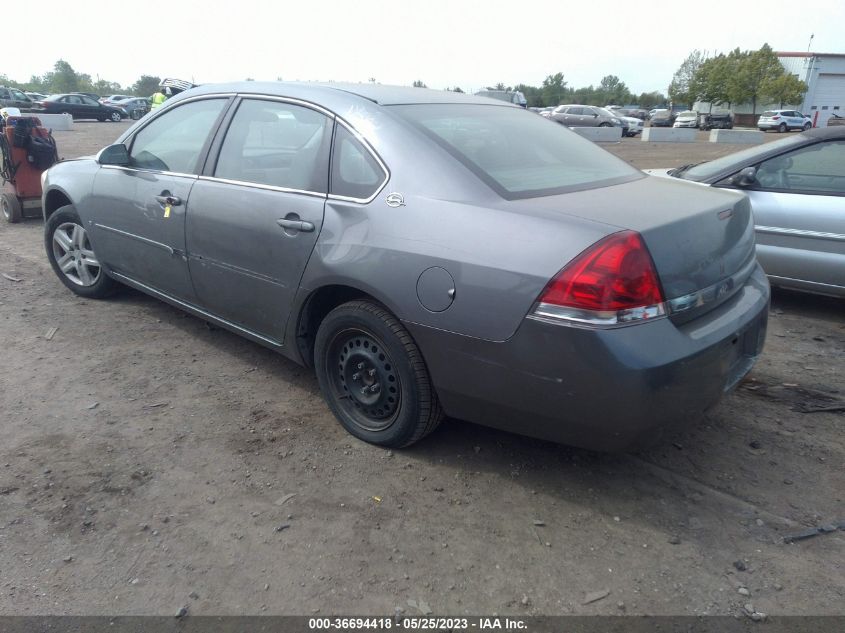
(114,155)
(745,178)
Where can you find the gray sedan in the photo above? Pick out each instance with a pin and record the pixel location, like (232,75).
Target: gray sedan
(797,191)
(428,253)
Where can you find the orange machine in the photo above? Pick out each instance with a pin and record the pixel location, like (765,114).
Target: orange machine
(27,149)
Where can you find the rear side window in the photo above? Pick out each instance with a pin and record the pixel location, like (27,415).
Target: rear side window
(517,154)
(355,173)
(277,144)
(173,141)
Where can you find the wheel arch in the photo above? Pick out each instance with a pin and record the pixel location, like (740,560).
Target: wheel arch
(317,305)
(54,199)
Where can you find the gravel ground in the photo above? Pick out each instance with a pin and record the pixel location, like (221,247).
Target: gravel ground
(150,462)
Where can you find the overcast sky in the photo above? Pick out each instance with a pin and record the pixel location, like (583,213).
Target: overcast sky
(444,43)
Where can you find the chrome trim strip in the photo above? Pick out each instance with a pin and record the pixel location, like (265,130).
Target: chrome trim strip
(293,100)
(551,313)
(721,290)
(192,308)
(821,235)
(375,156)
(236,269)
(136,237)
(255,185)
(150,171)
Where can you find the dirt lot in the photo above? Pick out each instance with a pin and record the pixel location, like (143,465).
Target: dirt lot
(149,463)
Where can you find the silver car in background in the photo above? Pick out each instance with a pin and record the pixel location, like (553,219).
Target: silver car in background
(797,190)
(574,115)
(428,253)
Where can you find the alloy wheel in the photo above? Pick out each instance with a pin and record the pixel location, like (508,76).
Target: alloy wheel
(74,255)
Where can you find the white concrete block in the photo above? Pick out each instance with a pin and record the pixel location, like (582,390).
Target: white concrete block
(669,134)
(60,122)
(751,137)
(599,134)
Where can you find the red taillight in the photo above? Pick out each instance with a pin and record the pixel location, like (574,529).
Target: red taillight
(614,281)
(775,118)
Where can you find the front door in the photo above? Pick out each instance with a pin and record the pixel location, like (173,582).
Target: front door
(256,214)
(138,212)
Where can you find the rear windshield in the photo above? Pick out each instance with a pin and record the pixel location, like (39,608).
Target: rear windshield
(518,154)
(737,160)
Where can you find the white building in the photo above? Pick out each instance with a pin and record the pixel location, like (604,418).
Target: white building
(824,74)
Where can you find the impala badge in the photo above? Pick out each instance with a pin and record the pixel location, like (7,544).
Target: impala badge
(395,200)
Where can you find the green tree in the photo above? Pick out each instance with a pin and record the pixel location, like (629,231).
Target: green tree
(145,86)
(682,89)
(613,91)
(62,79)
(418,83)
(650,100)
(754,69)
(712,79)
(457,89)
(553,89)
(785,89)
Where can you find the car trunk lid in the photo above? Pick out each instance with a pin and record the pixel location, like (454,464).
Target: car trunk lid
(700,239)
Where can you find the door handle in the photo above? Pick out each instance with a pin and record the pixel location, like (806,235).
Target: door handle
(295,225)
(169,201)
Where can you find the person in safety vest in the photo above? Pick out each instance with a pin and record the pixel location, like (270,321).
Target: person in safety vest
(158,99)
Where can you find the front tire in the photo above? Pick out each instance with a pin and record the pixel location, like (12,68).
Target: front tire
(72,257)
(11,208)
(782,128)
(373,376)
(604,125)
(807,126)
(115,117)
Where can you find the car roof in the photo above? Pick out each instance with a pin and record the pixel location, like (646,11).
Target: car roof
(376,93)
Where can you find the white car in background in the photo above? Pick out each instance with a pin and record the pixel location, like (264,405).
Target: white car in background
(635,125)
(687,118)
(783,121)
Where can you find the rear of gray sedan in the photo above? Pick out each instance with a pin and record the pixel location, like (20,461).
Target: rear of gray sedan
(429,254)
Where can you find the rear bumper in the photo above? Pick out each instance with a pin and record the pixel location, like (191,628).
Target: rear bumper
(606,389)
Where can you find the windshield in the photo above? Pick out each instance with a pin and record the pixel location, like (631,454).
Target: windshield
(687,114)
(515,153)
(707,170)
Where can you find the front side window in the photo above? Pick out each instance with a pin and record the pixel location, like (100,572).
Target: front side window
(173,141)
(277,144)
(89,101)
(819,168)
(355,173)
(515,153)
(17,94)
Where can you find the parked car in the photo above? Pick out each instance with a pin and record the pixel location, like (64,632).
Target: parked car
(574,115)
(662,118)
(140,105)
(14,98)
(36,96)
(79,106)
(710,121)
(835,119)
(687,118)
(634,125)
(783,121)
(428,253)
(114,99)
(797,190)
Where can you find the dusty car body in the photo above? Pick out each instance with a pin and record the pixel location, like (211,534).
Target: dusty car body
(428,253)
(797,190)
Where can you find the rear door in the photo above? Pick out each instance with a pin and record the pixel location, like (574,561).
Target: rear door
(138,212)
(799,214)
(257,211)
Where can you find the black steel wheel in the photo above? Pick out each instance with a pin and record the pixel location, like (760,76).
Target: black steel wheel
(373,376)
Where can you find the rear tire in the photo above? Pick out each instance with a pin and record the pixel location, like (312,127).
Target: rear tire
(373,376)
(782,127)
(72,257)
(11,208)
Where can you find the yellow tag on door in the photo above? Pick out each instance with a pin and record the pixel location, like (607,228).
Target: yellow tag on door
(167,211)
